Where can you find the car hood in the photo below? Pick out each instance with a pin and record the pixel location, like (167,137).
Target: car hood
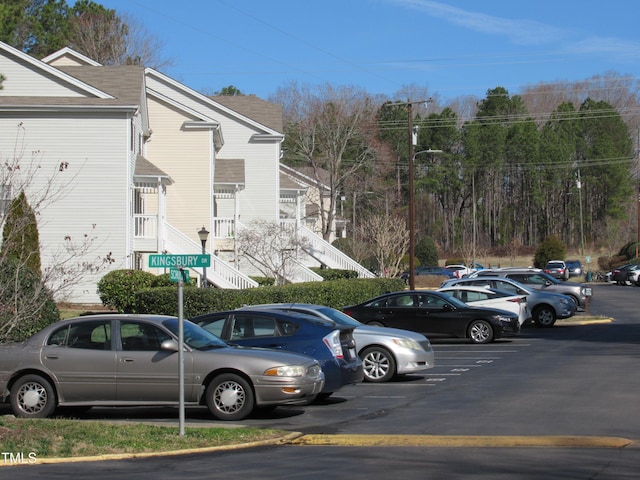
(388,332)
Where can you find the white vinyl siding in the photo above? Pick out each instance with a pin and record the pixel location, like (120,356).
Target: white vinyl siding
(87,155)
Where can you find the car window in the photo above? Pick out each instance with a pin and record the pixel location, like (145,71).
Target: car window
(136,336)
(401,301)
(473,296)
(536,279)
(90,335)
(506,286)
(431,301)
(251,326)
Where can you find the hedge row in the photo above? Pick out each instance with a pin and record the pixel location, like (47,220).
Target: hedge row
(196,301)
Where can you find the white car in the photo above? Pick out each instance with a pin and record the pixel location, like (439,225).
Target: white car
(488,297)
(460,271)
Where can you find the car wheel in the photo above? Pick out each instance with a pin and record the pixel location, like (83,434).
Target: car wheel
(480,331)
(32,397)
(230,397)
(378,364)
(544,316)
(375,324)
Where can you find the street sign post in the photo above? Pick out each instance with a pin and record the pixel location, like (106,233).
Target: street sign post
(177,265)
(179,261)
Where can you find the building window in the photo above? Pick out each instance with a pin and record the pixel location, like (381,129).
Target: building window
(5,199)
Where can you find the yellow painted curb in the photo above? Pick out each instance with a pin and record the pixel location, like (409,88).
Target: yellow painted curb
(287,439)
(463,441)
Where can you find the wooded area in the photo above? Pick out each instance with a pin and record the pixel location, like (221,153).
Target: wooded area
(507,176)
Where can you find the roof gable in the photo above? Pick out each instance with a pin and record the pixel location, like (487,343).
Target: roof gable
(209,105)
(67,57)
(27,76)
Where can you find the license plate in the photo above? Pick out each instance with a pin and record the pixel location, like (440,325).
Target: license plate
(352,353)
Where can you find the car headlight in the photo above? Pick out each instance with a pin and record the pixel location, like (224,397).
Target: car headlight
(407,343)
(286,371)
(503,318)
(566,301)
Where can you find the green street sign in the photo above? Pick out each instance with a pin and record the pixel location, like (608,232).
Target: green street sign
(179,261)
(176,274)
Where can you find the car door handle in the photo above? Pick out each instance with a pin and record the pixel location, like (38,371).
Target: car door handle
(274,345)
(52,357)
(127,360)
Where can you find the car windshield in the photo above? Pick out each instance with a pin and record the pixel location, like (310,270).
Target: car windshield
(549,278)
(339,317)
(194,336)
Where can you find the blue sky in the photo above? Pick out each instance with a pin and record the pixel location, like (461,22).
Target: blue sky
(447,48)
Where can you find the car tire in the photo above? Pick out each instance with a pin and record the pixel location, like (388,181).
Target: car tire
(544,316)
(378,364)
(32,397)
(480,331)
(230,397)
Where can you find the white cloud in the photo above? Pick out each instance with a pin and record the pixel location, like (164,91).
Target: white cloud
(523,32)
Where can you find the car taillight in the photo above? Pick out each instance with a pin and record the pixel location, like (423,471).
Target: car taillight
(332,341)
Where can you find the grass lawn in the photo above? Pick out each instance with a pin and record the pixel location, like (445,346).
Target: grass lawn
(54,438)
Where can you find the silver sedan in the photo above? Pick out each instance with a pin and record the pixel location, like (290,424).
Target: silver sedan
(124,360)
(385,352)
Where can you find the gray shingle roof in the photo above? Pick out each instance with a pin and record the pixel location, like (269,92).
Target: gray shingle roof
(229,171)
(267,113)
(124,83)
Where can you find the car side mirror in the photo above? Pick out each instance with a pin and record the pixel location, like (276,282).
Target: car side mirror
(169,345)
(447,307)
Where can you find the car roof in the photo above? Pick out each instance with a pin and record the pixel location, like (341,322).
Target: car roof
(277,312)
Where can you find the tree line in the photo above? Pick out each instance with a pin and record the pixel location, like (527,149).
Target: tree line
(509,174)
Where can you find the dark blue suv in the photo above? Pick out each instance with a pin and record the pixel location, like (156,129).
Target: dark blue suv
(331,344)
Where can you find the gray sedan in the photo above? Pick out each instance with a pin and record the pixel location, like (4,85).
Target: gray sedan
(124,360)
(385,352)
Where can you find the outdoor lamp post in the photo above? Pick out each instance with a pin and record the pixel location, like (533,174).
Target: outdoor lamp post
(203,233)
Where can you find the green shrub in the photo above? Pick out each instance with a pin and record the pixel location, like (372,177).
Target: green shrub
(426,252)
(551,248)
(118,288)
(196,301)
(26,306)
(334,273)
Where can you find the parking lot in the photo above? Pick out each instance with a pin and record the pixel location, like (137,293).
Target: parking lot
(575,382)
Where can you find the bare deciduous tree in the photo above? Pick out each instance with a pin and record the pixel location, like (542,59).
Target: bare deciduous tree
(116,39)
(271,249)
(331,130)
(388,237)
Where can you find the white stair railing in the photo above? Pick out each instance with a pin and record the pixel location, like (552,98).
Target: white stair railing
(329,255)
